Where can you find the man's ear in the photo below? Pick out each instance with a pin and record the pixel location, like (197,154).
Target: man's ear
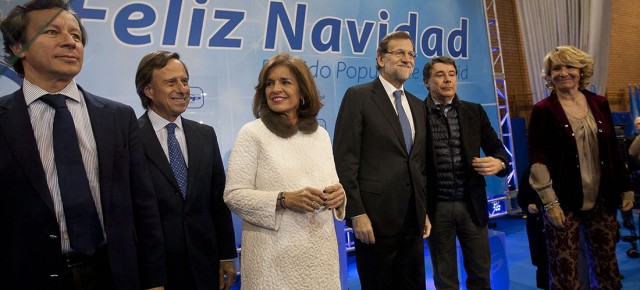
(17,50)
(147,92)
(379,60)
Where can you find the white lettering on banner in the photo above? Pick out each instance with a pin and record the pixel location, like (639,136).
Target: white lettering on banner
(133,22)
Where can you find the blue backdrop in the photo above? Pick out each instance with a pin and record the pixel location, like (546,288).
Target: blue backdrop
(224,44)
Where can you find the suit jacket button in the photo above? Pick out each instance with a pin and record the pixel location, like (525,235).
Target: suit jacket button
(53,237)
(53,276)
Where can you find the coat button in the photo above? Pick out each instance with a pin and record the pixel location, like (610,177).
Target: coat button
(573,134)
(578,166)
(53,276)
(566,126)
(53,237)
(600,130)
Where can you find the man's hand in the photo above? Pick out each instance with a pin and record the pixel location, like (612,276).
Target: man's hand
(487,165)
(556,217)
(362,229)
(227,275)
(532,208)
(427,228)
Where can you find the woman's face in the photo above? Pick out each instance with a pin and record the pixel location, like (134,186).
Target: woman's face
(282,91)
(565,77)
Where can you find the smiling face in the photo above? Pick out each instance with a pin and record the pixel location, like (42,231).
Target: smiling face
(396,69)
(565,77)
(283,92)
(56,53)
(169,90)
(442,82)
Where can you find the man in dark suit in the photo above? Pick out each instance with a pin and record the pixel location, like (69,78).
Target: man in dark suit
(45,242)
(379,145)
(197,225)
(456,189)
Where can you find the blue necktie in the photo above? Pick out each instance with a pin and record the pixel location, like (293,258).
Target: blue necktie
(83,224)
(176,159)
(404,120)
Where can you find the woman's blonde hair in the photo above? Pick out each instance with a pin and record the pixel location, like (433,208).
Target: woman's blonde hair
(570,56)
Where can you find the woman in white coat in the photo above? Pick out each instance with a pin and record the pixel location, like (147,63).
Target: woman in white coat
(282,181)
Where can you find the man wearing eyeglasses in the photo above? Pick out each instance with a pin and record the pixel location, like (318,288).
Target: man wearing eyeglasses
(379,146)
(456,190)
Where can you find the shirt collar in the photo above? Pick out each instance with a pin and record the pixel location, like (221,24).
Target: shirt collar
(432,103)
(32,92)
(159,123)
(389,88)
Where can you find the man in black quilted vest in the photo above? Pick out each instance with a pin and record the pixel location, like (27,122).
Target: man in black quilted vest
(457,200)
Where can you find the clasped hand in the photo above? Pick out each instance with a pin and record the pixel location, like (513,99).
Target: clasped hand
(310,199)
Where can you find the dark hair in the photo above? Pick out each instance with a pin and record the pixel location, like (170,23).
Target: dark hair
(426,71)
(383,46)
(309,92)
(150,62)
(14,28)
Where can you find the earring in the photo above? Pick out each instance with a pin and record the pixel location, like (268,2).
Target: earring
(303,102)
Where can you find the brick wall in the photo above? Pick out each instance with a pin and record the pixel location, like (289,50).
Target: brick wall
(624,58)
(514,60)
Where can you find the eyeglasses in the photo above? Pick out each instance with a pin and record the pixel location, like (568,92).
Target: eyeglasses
(401,53)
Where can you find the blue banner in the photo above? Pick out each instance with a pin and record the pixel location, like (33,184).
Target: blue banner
(224,44)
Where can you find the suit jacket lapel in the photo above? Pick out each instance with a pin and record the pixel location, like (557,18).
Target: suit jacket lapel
(419,119)
(465,127)
(380,98)
(154,152)
(103,127)
(15,124)
(194,147)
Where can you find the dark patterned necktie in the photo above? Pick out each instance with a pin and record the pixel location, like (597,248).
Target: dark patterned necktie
(83,224)
(176,159)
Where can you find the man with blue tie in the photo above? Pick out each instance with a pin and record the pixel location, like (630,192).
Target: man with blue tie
(379,146)
(77,210)
(188,177)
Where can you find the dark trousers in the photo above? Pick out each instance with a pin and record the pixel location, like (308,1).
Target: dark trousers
(394,262)
(79,272)
(538,249)
(453,219)
(179,274)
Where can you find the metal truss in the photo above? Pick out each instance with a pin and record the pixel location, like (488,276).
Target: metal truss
(511,182)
